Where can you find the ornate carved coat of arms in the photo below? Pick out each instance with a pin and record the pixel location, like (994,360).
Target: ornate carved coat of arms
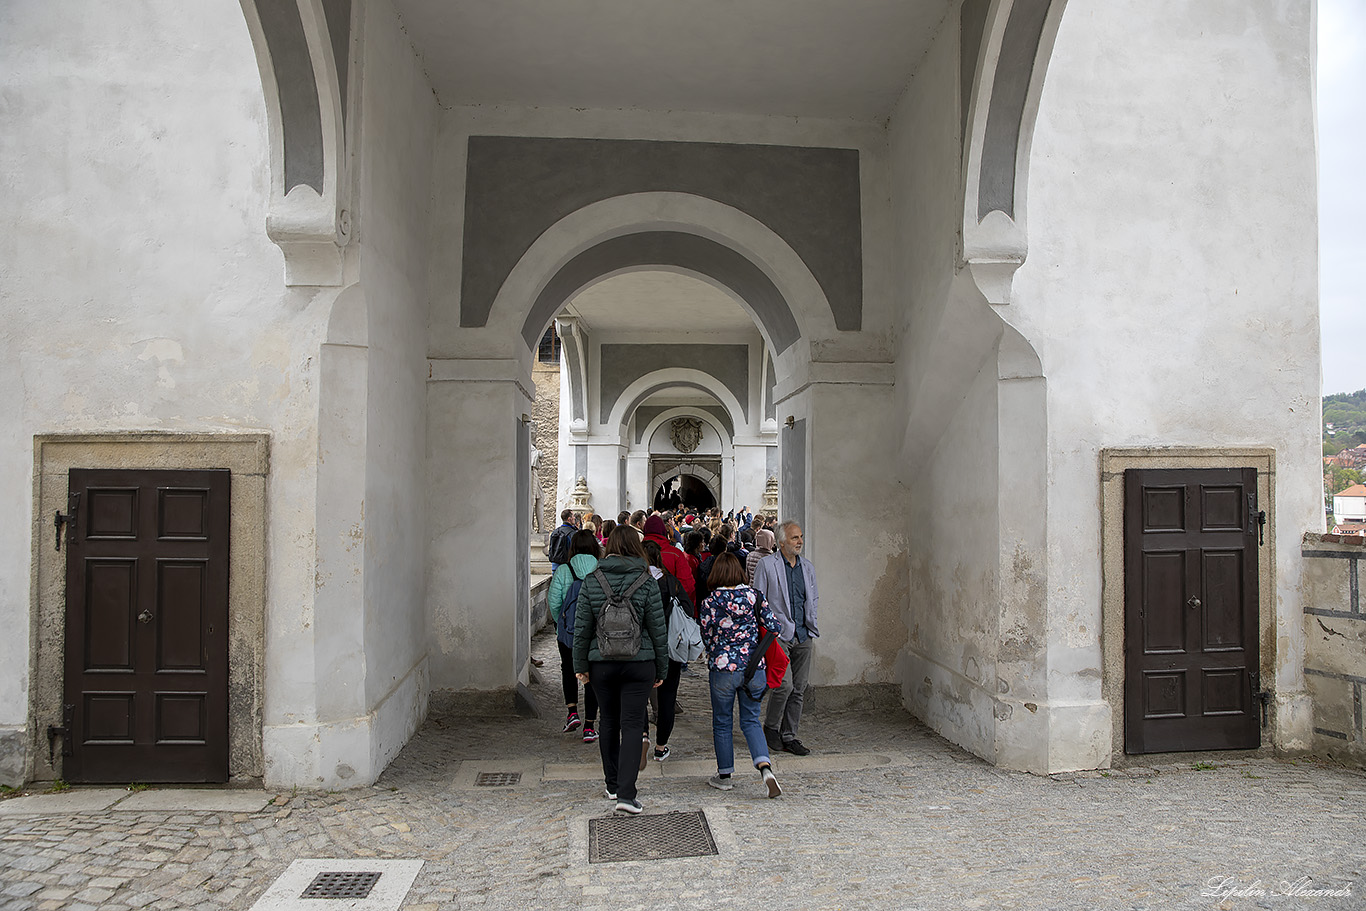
(686,434)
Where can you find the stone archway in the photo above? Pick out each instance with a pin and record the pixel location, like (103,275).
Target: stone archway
(705,469)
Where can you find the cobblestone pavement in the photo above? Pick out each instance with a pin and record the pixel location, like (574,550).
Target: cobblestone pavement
(884,814)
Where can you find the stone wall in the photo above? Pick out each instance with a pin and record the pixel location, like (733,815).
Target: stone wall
(546,418)
(1335,644)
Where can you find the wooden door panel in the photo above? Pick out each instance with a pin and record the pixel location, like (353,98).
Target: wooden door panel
(1165,575)
(147,631)
(1191,632)
(180,614)
(108,607)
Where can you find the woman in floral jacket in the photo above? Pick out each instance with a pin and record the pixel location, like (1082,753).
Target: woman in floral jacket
(730,619)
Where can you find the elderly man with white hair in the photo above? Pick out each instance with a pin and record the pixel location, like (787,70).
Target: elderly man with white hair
(788,583)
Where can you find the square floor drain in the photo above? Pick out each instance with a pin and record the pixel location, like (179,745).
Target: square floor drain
(659,836)
(336,884)
(357,884)
(498,779)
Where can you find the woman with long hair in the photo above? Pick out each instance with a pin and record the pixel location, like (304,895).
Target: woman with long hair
(583,559)
(730,619)
(622,684)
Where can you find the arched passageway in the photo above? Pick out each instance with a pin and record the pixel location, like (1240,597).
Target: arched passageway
(686,491)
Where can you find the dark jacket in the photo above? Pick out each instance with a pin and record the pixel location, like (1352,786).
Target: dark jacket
(654,628)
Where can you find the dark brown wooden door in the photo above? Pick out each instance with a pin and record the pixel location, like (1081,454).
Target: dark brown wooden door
(147,626)
(1191,630)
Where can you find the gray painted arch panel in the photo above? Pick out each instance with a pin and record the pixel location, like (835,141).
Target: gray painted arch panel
(666,248)
(635,406)
(300,118)
(622,365)
(518,187)
(1010,90)
(647,413)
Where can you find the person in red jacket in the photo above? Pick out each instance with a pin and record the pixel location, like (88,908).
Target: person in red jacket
(675,563)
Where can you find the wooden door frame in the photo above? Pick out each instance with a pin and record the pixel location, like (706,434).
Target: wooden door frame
(246,456)
(1113,464)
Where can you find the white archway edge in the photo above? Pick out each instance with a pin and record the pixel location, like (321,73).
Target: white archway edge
(639,212)
(616,420)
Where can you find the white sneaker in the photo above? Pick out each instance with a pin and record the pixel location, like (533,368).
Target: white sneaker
(721,784)
(630,806)
(774,789)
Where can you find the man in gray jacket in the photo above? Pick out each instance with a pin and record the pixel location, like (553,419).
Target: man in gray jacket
(788,584)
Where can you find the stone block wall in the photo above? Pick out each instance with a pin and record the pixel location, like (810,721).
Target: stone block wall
(546,423)
(1335,644)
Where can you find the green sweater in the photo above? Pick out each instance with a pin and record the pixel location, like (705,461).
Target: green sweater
(654,629)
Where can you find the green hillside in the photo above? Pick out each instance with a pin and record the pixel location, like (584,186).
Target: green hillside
(1346,411)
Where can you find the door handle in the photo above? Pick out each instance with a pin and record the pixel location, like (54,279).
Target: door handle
(145,617)
(1193,602)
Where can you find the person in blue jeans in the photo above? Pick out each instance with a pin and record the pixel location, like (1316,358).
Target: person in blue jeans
(730,619)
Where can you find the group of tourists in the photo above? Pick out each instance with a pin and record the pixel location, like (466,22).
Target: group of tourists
(629,607)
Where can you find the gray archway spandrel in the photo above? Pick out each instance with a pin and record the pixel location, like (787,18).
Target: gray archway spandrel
(667,248)
(518,187)
(300,118)
(338,15)
(646,414)
(1010,89)
(622,365)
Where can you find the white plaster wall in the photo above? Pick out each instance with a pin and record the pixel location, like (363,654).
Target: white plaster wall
(1171,284)
(471,568)
(398,126)
(138,288)
(853,533)
(945,422)
(750,475)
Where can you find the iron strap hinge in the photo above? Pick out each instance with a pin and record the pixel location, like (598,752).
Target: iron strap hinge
(1262,696)
(64,732)
(1256,518)
(59,520)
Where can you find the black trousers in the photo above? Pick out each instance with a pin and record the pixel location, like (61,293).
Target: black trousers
(589,710)
(667,707)
(623,689)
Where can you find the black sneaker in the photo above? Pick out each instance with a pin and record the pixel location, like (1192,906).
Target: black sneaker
(795,747)
(629,806)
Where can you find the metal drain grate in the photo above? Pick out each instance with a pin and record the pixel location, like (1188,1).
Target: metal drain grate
(341,885)
(661,836)
(498,779)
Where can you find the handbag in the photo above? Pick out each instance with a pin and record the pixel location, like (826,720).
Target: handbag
(685,636)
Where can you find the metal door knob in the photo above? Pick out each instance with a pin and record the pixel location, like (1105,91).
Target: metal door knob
(1193,603)
(145,617)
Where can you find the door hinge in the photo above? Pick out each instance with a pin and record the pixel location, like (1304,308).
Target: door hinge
(1256,518)
(64,732)
(58,520)
(1262,696)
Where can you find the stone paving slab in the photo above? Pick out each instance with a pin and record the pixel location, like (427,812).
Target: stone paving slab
(77,800)
(197,800)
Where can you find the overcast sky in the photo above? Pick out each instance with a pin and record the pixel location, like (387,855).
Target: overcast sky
(1342,192)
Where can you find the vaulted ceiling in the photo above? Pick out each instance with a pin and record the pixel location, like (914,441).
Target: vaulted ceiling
(845,59)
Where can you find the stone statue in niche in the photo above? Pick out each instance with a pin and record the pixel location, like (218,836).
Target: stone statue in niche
(537,494)
(686,434)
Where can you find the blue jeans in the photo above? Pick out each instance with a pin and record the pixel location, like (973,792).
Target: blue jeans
(726,686)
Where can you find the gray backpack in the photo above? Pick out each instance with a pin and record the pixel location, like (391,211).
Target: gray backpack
(618,624)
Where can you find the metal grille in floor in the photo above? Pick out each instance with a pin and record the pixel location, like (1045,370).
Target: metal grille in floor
(498,779)
(659,836)
(341,885)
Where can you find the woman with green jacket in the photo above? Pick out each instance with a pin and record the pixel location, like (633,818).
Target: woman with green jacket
(622,685)
(583,559)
